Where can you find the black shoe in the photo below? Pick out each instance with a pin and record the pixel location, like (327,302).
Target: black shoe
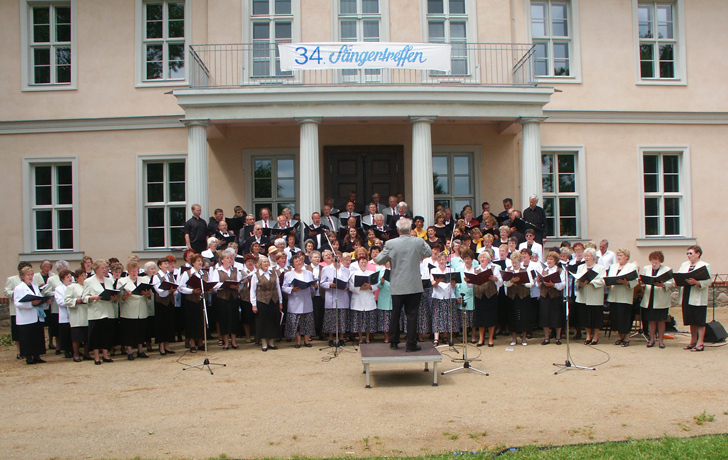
(342,343)
(141,354)
(58,352)
(298,345)
(77,360)
(98,363)
(394,346)
(170,352)
(272,347)
(68,355)
(414,349)
(307,345)
(130,356)
(107,360)
(30,360)
(331,343)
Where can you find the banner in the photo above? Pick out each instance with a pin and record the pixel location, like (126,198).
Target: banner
(364,55)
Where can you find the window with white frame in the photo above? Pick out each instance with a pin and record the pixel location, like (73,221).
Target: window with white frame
(50,56)
(360,21)
(453,180)
(52,205)
(447,22)
(163,40)
(664,194)
(274,183)
(272,23)
(165,202)
(551,33)
(559,177)
(658,40)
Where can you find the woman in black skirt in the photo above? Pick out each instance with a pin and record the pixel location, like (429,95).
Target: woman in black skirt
(695,298)
(551,302)
(164,309)
(29,318)
(247,317)
(486,299)
(265,296)
(133,311)
(101,313)
(194,318)
(590,296)
(227,298)
(656,300)
(621,297)
(64,325)
(520,295)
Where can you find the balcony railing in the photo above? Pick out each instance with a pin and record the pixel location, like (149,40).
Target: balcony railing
(254,64)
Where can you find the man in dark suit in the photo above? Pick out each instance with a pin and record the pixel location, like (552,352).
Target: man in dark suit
(329,219)
(314,232)
(405,254)
(257,237)
(535,218)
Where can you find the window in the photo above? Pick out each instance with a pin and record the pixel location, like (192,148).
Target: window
(163,40)
(48,32)
(272,23)
(165,203)
(274,184)
(447,22)
(453,181)
(360,21)
(663,194)
(559,176)
(50,204)
(551,34)
(660,41)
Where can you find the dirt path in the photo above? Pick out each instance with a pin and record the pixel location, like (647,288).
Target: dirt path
(290,402)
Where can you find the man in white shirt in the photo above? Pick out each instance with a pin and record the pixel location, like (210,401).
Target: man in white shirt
(605,257)
(265,220)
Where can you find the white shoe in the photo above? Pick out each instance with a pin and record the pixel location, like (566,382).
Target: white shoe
(513,343)
(524,343)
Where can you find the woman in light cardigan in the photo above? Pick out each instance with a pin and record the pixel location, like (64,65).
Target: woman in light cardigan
(695,299)
(101,313)
(77,315)
(656,300)
(590,297)
(621,296)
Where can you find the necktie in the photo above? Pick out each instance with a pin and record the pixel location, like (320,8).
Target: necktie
(332,223)
(265,222)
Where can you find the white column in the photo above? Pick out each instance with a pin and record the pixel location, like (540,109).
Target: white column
(309,182)
(197,165)
(531,160)
(423,195)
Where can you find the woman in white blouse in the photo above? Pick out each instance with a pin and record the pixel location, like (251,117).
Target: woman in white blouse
(194,315)
(551,304)
(299,318)
(445,316)
(227,298)
(77,315)
(29,318)
(485,298)
(267,301)
(336,300)
(363,304)
(64,325)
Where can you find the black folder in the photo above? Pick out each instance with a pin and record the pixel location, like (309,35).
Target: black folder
(447,277)
(612,280)
(302,284)
(700,274)
(361,280)
(652,280)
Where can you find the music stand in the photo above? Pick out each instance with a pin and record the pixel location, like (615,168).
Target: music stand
(205,323)
(466,362)
(569,363)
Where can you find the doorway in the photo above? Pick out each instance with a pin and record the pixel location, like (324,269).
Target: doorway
(365,169)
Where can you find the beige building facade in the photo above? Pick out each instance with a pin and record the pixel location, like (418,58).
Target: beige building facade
(121,114)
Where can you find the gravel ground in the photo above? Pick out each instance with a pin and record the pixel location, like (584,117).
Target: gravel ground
(296,402)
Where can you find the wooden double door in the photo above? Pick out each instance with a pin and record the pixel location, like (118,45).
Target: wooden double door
(366,170)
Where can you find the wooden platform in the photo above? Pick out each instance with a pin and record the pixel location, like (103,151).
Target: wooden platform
(380,353)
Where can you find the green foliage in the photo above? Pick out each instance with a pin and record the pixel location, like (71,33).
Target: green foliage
(6,340)
(702,418)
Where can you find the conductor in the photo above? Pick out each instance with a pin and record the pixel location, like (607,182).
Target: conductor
(405,254)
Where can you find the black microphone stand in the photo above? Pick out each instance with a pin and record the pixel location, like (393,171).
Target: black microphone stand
(337,343)
(466,362)
(205,323)
(569,363)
